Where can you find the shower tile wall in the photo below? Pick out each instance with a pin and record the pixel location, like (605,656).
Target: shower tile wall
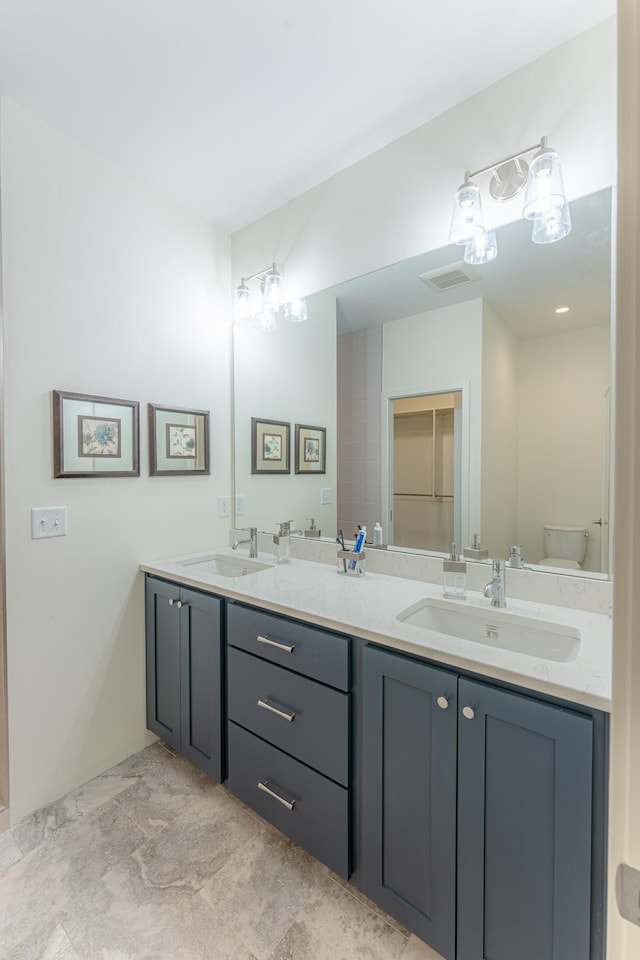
(359,366)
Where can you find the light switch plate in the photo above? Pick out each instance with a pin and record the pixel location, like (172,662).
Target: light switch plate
(48,522)
(224,506)
(325,495)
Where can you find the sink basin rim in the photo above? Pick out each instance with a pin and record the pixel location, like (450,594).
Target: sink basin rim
(235,566)
(495,627)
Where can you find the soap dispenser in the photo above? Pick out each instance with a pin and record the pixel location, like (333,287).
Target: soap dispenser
(455,576)
(475,551)
(312,530)
(282,542)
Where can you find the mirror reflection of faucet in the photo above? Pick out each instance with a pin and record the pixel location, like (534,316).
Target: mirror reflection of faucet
(282,542)
(515,556)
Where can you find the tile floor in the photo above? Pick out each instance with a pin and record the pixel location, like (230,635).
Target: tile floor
(153,861)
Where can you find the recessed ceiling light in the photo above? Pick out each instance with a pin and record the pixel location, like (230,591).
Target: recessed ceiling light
(562,309)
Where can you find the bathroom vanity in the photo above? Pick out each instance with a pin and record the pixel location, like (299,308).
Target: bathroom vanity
(461,786)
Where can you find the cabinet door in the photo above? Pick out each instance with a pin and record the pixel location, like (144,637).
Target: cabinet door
(163,660)
(201,681)
(409,793)
(524,828)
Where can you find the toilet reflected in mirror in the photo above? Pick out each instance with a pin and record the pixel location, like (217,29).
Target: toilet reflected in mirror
(564,546)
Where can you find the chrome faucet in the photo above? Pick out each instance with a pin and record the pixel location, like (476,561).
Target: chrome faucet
(252,540)
(494,590)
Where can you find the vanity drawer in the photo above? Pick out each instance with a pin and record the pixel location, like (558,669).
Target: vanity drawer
(316,653)
(318,731)
(316,814)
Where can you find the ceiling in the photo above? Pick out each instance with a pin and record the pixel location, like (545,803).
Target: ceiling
(523,285)
(233,108)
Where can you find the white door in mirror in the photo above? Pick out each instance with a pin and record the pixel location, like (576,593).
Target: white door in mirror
(48,522)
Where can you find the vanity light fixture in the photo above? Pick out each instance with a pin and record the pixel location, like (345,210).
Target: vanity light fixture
(545,201)
(482,248)
(269,287)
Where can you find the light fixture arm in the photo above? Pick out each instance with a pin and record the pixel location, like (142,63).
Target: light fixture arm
(543,145)
(261,274)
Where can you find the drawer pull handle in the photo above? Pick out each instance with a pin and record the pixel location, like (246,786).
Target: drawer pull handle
(274,643)
(264,786)
(283,712)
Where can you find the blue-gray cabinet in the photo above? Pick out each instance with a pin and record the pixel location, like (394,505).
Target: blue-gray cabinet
(478,815)
(524,827)
(289,729)
(408,765)
(184,650)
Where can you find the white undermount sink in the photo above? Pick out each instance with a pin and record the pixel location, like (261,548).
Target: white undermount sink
(495,627)
(225,566)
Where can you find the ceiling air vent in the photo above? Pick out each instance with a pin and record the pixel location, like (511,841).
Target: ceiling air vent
(453,275)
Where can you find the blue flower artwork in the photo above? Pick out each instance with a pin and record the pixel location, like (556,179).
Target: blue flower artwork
(99,437)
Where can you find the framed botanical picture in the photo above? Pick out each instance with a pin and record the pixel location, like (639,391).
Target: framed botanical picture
(95,436)
(311,449)
(178,441)
(270,446)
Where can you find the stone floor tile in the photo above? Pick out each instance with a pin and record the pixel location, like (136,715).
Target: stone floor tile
(47,941)
(417,950)
(333,925)
(262,888)
(38,885)
(10,852)
(125,917)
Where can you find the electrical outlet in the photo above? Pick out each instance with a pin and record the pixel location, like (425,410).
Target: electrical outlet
(224,507)
(239,506)
(325,495)
(48,522)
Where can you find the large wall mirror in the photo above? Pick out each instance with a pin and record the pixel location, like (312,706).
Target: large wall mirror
(456,400)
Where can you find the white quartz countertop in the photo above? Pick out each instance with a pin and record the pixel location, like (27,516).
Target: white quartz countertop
(368,606)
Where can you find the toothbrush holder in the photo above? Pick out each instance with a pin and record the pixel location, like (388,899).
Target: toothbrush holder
(351,564)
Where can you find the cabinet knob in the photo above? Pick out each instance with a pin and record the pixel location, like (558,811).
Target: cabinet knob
(442,702)
(468,712)
(172,601)
(180,604)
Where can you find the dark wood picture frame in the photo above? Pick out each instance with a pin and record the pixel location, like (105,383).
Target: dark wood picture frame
(311,449)
(178,441)
(270,446)
(90,432)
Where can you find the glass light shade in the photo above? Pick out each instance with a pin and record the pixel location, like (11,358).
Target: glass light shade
(243,301)
(273,288)
(554,226)
(296,311)
(466,219)
(482,249)
(267,320)
(545,189)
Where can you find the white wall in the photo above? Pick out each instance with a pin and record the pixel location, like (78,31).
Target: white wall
(562,381)
(397,202)
(109,289)
(289,375)
(499,436)
(359,373)
(438,352)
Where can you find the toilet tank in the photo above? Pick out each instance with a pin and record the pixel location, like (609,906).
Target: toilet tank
(565,542)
